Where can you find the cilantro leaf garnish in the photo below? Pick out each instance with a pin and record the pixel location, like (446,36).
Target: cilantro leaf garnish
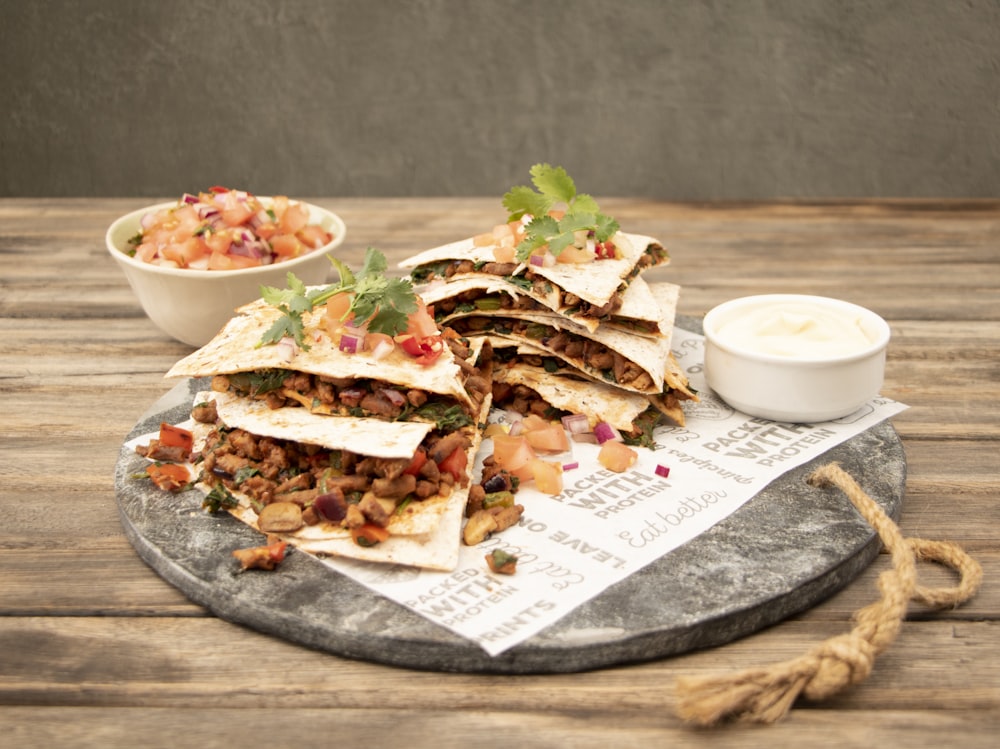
(385,303)
(381,303)
(554,188)
(292,301)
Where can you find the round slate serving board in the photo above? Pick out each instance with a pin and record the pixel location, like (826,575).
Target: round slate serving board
(785,550)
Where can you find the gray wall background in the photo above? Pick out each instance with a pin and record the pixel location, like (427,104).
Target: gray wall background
(655,98)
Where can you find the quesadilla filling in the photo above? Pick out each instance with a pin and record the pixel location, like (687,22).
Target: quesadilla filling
(361,397)
(476,300)
(520,374)
(337,487)
(606,363)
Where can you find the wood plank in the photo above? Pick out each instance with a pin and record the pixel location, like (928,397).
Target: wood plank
(118,583)
(599,728)
(189,662)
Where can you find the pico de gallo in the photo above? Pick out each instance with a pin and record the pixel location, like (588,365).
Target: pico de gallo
(223,229)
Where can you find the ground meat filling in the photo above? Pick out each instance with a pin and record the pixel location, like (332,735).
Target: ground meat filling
(523,400)
(474,300)
(654,254)
(611,365)
(349,397)
(272,470)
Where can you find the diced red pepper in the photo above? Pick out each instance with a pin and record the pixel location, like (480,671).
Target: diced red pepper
(174,436)
(276,551)
(369,534)
(170,477)
(261,557)
(419,458)
(425,350)
(455,464)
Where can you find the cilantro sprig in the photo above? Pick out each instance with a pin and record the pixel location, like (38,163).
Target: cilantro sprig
(381,303)
(553,187)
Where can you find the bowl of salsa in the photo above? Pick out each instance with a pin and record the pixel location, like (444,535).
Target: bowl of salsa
(193,261)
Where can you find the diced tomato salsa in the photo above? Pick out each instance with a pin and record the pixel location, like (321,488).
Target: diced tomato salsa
(226,229)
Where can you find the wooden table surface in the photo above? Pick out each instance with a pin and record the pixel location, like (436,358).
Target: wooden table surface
(97,650)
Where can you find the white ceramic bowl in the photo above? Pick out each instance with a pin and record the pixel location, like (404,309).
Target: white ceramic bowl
(193,305)
(794,386)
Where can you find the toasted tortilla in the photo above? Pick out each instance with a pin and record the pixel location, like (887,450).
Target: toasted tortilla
(596,282)
(235,349)
(366,436)
(597,401)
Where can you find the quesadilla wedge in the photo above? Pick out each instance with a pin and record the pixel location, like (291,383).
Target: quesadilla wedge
(336,436)
(640,313)
(528,380)
(587,293)
(629,362)
(326,378)
(361,488)
(555,245)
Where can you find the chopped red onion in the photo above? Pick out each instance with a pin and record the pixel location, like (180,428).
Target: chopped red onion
(395,397)
(663,471)
(353,393)
(382,349)
(189,199)
(287,348)
(576,423)
(537,260)
(254,249)
(350,344)
(605,432)
(259,218)
(570,466)
(331,506)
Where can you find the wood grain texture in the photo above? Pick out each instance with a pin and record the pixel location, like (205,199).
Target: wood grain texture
(96,649)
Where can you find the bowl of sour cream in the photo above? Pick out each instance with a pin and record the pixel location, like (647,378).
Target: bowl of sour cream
(794,357)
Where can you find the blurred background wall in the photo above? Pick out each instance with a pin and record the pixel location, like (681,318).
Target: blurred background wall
(717,99)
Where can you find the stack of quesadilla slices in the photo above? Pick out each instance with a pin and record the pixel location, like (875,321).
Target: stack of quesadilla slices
(589,338)
(370,456)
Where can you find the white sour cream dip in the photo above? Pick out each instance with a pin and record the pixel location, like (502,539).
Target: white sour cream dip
(796,330)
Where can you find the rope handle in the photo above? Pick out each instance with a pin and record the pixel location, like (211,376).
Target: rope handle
(765,695)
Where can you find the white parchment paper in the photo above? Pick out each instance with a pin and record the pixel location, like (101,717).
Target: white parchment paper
(606,526)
